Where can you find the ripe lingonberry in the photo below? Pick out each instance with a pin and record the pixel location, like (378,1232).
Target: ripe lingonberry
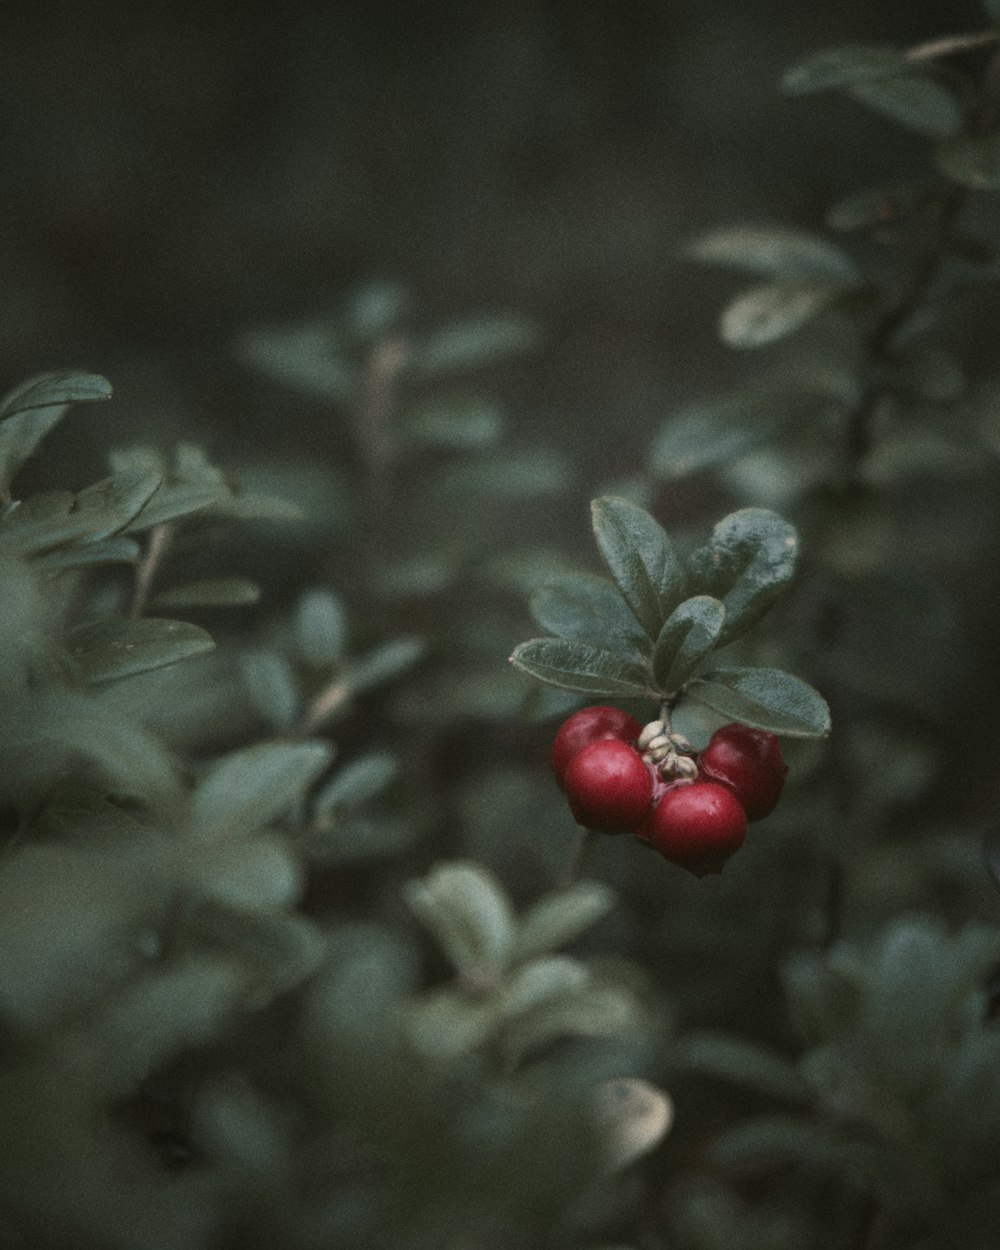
(697,825)
(590,724)
(747,761)
(609,786)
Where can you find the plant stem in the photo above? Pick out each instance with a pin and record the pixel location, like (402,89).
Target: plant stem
(582,843)
(160,537)
(908,302)
(951,44)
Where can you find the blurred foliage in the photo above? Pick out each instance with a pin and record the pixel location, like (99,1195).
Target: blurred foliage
(283,883)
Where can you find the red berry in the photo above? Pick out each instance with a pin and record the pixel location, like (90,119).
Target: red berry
(590,724)
(697,826)
(749,762)
(609,786)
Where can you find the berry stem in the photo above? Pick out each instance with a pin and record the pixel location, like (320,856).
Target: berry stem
(582,842)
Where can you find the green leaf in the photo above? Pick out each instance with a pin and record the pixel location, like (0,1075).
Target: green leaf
(766,314)
(583,608)
(741,1062)
(173,501)
(640,558)
(256,786)
(689,635)
(111,650)
(320,628)
(56,518)
(776,252)
(28,412)
(306,358)
(472,345)
(108,551)
(844,67)
(769,1142)
(576,666)
(467,911)
(455,424)
(972,160)
(765,698)
(876,206)
(595,1011)
(357,782)
(252,874)
(719,431)
(271,684)
(918,101)
(748,562)
(213,592)
(542,979)
(559,918)
(526,474)
(385,662)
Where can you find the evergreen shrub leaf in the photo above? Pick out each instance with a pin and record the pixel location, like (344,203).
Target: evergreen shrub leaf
(973,161)
(252,874)
(560,918)
(356,783)
(844,67)
(216,592)
(455,424)
(748,562)
(47,390)
(741,1062)
(467,911)
(769,1142)
(256,786)
(308,358)
(113,649)
(576,666)
(593,1011)
(385,662)
(320,628)
(777,252)
(766,314)
(270,683)
(875,206)
(916,100)
(686,639)
(472,345)
(175,500)
(581,607)
(549,977)
(765,698)
(640,558)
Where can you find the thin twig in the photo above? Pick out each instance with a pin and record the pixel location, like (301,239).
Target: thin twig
(329,699)
(582,843)
(950,45)
(159,540)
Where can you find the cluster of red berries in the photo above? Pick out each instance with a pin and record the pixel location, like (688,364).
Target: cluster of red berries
(622,778)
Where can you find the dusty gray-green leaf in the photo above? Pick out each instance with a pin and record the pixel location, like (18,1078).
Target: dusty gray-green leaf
(640,558)
(876,206)
(212,592)
(916,100)
(456,424)
(583,608)
(306,358)
(971,160)
(766,314)
(468,912)
(778,252)
(560,918)
(472,345)
(686,639)
(446,1024)
(108,551)
(749,560)
(111,650)
(251,788)
(742,1062)
(765,698)
(844,67)
(510,475)
(385,662)
(320,628)
(543,979)
(636,1116)
(594,1011)
(271,684)
(357,782)
(47,390)
(173,501)
(576,666)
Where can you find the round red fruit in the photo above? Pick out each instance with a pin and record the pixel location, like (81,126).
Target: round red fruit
(749,762)
(697,826)
(609,787)
(590,724)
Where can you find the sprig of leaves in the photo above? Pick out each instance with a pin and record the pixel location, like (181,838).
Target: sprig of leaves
(652,630)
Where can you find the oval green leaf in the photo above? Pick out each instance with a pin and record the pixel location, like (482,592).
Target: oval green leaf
(111,650)
(576,666)
(686,639)
(766,314)
(776,252)
(640,558)
(764,698)
(581,607)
